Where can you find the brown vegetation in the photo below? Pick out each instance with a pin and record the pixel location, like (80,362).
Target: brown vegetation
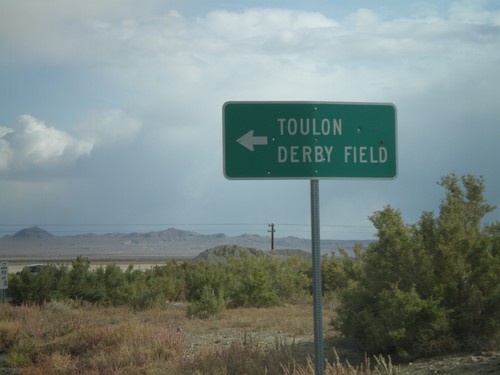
(76,338)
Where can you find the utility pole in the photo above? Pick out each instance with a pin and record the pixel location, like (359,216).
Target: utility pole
(272,235)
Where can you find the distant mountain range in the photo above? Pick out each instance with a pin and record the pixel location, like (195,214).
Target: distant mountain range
(37,243)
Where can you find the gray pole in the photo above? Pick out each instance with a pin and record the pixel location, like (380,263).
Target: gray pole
(316,273)
(272,235)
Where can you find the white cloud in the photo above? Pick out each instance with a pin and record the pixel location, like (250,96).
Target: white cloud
(33,149)
(32,144)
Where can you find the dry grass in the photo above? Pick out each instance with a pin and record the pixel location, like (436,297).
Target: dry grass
(73,338)
(293,319)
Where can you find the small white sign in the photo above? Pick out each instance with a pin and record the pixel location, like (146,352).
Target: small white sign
(4,275)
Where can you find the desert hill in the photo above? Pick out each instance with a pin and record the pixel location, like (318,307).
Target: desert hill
(32,233)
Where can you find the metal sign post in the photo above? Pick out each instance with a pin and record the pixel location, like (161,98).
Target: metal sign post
(310,140)
(316,272)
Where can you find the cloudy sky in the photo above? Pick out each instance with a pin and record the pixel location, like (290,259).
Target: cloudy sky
(111,111)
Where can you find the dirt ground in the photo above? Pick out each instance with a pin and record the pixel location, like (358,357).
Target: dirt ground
(459,364)
(207,334)
(484,362)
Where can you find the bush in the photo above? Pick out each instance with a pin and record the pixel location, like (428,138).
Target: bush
(208,305)
(253,283)
(201,275)
(44,285)
(246,281)
(429,287)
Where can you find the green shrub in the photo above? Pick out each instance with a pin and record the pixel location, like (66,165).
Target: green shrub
(291,279)
(201,275)
(207,305)
(170,278)
(252,282)
(429,287)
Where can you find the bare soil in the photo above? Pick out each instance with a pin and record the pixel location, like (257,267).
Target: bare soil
(484,362)
(293,325)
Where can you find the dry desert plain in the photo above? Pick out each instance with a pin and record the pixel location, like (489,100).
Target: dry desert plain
(143,250)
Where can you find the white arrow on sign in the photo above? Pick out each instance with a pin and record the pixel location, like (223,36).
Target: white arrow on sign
(249,140)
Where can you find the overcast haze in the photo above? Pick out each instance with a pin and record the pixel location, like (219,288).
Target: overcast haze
(111,111)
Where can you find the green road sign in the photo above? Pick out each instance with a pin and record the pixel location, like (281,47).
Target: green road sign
(297,140)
